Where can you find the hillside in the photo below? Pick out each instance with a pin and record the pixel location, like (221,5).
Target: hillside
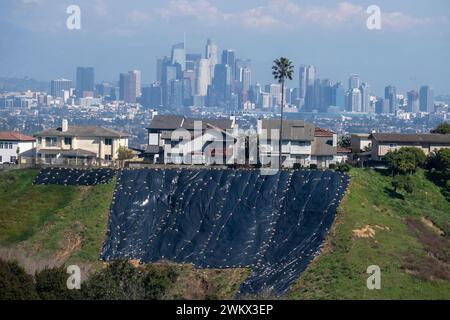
(53,225)
(400,234)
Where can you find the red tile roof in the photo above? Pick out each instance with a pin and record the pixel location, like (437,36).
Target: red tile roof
(318,132)
(15,136)
(344,150)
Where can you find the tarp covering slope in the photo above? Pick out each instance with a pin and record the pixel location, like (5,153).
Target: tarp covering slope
(77,177)
(274,224)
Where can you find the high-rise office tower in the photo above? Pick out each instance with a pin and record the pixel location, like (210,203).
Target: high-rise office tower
(426,99)
(160,63)
(58,86)
(390,93)
(353,100)
(176,94)
(353,82)
(365,97)
(240,65)
(229,58)
(246,79)
(127,85)
(192,60)
(222,84)
(212,54)
(326,95)
(338,96)
(202,77)
(137,74)
(179,55)
(307,76)
(85,82)
(382,106)
(413,101)
(152,96)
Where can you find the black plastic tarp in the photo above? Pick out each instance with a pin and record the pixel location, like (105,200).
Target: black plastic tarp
(274,224)
(77,177)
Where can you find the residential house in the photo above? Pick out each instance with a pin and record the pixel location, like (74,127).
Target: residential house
(324,148)
(360,142)
(297,140)
(14,146)
(382,143)
(79,145)
(178,139)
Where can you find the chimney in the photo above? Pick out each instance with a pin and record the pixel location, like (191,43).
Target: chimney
(65,125)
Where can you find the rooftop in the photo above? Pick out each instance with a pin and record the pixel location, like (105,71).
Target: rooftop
(412,138)
(15,136)
(82,131)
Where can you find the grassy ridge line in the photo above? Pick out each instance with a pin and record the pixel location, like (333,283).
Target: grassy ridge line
(340,273)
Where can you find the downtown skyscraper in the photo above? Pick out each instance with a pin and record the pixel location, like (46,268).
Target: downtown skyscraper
(85,82)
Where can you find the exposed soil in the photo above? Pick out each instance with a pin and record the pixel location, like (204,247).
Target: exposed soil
(436,263)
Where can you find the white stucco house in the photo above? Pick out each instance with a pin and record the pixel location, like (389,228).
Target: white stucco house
(13,145)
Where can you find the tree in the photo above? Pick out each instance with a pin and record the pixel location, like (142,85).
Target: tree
(15,283)
(345,142)
(125,153)
(405,160)
(443,128)
(282,70)
(440,161)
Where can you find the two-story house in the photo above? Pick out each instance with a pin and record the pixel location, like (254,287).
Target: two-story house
(78,144)
(297,139)
(324,148)
(178,139)
(382,143)
(13,145)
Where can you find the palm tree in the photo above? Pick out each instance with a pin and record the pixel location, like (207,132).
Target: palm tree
(282,70)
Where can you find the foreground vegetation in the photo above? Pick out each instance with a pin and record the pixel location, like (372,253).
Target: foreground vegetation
(405,234)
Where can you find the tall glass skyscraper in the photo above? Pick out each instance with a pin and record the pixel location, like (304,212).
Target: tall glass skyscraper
(85,81)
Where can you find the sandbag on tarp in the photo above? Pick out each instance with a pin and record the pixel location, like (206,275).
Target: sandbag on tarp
(77,177)
(274,224)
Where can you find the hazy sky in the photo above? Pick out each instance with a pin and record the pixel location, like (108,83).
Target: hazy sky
(411,49)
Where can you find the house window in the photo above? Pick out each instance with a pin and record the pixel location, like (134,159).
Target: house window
(50,142)
(1,145)
(68,141)
(1,159)
(393,145)
(108,142)
(108,157)
(39,140)
(10,145)
(13,159)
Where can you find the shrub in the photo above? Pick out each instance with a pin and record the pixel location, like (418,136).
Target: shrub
(332,166)
(403,182)
(15,283)
(343,167)
(313,166)
(51,284)
(157,280)
(119,281)
(297,166)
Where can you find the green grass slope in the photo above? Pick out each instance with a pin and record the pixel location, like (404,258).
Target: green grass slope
(53,223)
(374,226)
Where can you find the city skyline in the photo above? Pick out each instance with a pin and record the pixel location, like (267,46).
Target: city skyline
(336,40)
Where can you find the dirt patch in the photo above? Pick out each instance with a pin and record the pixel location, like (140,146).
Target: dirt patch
(432,226)
(436,263)
(368,231)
